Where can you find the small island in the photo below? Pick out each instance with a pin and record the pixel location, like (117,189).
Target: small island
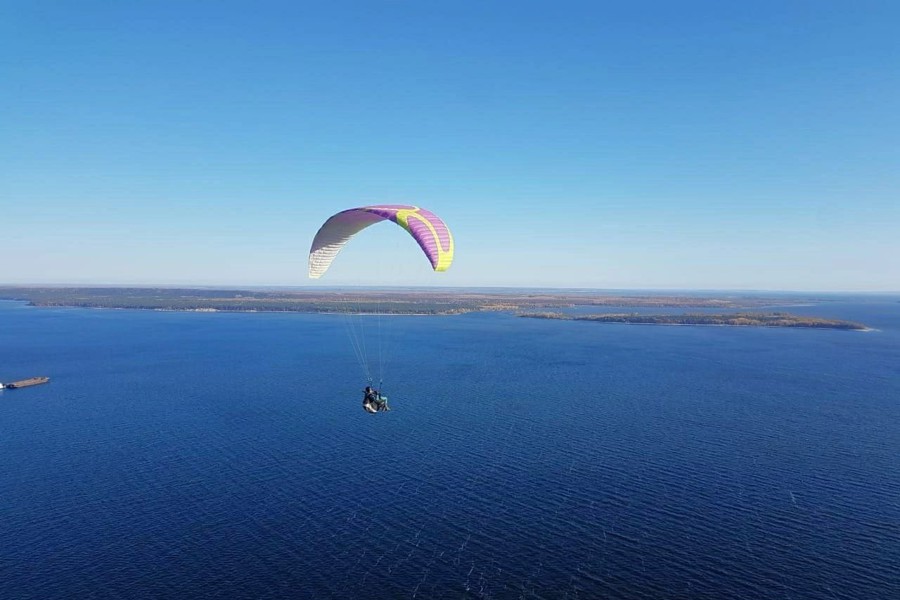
(740,319)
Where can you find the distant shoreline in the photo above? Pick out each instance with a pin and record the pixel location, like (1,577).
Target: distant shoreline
(379,301)
(531,304)
(741,319)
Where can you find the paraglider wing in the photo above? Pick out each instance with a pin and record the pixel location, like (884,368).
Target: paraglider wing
(426,228)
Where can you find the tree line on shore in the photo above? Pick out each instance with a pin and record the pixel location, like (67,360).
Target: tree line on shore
(742,319)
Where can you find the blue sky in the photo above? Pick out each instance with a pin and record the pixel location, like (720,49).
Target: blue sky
(734,145)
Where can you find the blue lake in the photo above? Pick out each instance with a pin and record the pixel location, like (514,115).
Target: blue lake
(178,455)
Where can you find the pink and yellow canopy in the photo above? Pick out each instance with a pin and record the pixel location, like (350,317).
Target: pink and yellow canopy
(424,226)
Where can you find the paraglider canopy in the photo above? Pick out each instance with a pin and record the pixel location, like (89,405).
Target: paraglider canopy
(424,226)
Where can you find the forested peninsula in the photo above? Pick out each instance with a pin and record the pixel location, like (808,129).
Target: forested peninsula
(543,304)
(741,319)
(392,301)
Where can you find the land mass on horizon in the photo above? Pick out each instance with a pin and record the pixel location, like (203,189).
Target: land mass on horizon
(739,319)
(537,304)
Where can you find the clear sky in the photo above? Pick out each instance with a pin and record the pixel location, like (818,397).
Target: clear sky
(748,145)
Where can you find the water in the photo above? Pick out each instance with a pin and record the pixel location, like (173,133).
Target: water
(179,455)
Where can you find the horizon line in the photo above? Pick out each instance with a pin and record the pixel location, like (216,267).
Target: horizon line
(239,287)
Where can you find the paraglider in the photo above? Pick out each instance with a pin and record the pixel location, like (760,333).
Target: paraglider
(373,401)
(424,226)
(427,229)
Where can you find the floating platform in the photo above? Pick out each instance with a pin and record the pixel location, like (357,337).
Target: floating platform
(25,383)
